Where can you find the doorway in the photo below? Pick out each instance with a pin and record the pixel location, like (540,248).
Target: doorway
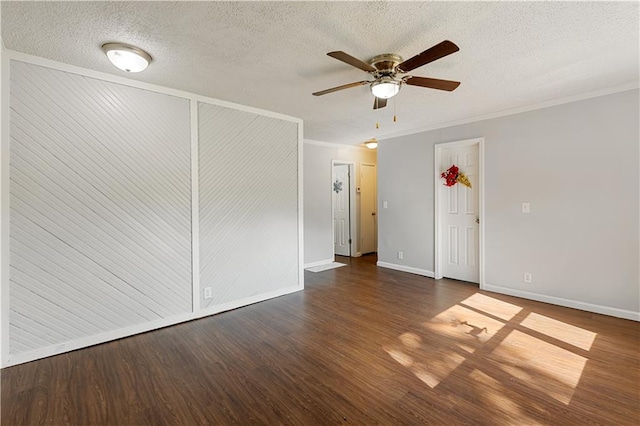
(368,209)
(459,221)
(343,206)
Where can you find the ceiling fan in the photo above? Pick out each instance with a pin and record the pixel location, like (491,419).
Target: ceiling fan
(385,69)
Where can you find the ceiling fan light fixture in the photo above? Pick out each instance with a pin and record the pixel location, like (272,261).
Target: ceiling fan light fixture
(372,144)
(127,58)
(385,88)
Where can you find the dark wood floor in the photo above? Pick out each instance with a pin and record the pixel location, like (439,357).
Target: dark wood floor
(361,345)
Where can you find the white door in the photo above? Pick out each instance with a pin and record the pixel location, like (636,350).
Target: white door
(459,213)
(368,209)
(341,226)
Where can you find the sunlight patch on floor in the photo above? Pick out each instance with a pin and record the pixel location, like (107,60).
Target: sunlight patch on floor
(495,307)
(463,325)
(454,335)
(494,396)
(541,365)
(567,333)
(438,368)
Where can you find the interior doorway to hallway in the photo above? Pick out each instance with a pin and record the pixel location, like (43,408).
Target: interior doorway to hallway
(368,209)
(354,208)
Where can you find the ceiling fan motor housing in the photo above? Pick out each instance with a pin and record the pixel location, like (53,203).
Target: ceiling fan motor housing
(385,85)
(385,64)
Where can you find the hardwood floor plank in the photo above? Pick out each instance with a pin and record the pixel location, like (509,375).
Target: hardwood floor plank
(361,345)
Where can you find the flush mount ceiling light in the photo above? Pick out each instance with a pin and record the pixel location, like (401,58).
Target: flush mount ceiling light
(372,144)
(127,58)
(385,88)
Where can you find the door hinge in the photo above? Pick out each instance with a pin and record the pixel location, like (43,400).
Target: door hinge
(349,240)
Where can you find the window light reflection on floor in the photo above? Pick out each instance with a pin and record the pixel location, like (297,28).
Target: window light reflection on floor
(452,337)
(540,365)
(567,333)
(495,307)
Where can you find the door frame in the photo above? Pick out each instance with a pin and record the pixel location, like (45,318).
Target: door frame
(353,231)
(437,202)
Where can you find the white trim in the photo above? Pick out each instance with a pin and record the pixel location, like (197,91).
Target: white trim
(513,111)
(353,217)
(436,205)
(318,263)
(481,216)
(358,254)
(411,270)
(216,309)
(335,145)
(142,328)
(300,205)
(195,209)
(583,306)
(4,207)
(35,60)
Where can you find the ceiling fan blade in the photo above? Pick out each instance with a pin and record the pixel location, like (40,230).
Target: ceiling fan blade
(354,62)
(438,51)
(379,103)
(344,86)
(432,83)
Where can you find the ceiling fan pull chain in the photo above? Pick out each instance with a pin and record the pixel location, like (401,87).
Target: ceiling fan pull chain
(394,110)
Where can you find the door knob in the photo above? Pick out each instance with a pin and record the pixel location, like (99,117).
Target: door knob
(373,213)
(477,220)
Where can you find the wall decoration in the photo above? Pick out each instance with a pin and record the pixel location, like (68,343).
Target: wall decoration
(453,175)
(337,186)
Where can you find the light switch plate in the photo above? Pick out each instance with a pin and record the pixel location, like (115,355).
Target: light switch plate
(526,208)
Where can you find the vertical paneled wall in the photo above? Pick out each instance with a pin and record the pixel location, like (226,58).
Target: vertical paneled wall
(100,219)
(101,212)
(248,168)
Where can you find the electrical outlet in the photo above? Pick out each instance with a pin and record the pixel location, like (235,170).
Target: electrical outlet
(528,277)
(207,293)
(400,255)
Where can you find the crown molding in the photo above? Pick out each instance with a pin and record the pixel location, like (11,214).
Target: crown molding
(517,110)
(335,145)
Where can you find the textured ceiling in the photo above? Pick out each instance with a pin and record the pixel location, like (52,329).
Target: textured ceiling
(272,55)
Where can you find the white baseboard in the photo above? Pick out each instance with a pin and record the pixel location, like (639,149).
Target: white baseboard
(318,263)
(142,328)
(583,306)
(248,301)
(409,269)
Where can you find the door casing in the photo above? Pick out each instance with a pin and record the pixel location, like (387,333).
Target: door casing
(363,214)
(438,148)
(352,205)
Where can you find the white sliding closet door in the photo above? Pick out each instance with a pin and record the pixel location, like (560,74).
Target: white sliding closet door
(100,218)
(248,196)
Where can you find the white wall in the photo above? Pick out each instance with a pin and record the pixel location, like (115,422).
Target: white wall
(318,229)
(248,166)
(4,130)
(577,164)
(103,198)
